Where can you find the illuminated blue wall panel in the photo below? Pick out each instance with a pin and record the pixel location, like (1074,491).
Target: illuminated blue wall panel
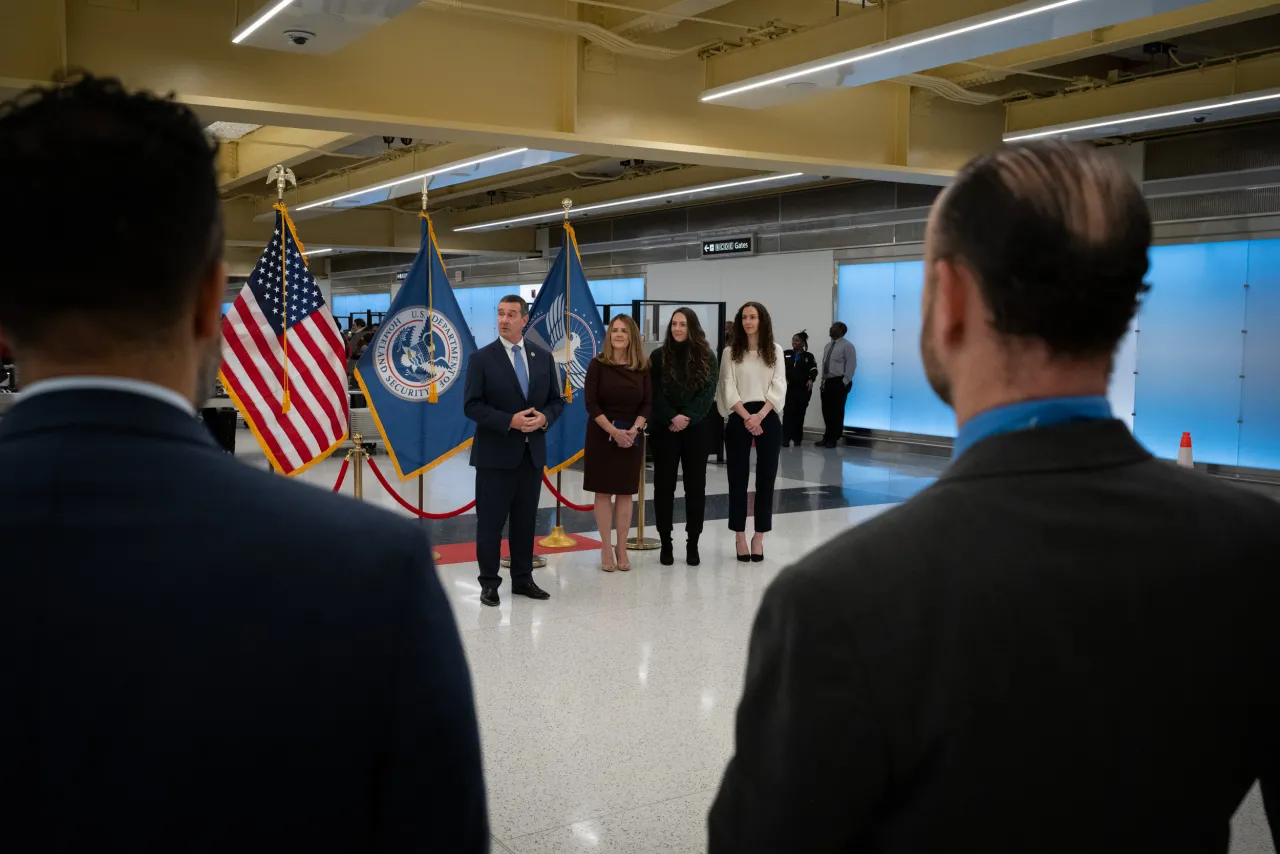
(864,302)
(344,306)
(916,409)
(1260,402)
(1190,350)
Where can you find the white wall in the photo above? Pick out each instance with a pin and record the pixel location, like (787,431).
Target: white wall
(797,289)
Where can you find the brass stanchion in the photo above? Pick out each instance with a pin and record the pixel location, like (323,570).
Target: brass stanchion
(435,555)
(358,474)
(641,543)
(558,539)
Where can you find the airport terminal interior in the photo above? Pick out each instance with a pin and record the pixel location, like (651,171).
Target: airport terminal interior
(706,153)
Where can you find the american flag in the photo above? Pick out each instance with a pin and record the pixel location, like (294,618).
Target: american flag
(280,320)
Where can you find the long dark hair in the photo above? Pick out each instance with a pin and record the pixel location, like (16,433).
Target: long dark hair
(686,365)
(738,339)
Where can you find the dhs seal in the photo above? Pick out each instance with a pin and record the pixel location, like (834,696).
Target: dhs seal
(403,353)
(582,342)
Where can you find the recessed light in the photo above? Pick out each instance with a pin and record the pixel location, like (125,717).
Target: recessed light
(634,200)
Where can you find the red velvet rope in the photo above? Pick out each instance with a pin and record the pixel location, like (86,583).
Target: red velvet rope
(581,508)
(342,474)
(406,505)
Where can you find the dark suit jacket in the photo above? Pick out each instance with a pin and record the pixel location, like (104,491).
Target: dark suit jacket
(198,656)
(1062,646)
(493,395)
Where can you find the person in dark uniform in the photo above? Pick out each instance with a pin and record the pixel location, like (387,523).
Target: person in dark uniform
(684,371)
(619,402)
(802,370)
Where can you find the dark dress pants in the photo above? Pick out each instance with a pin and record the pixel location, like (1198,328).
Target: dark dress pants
(503,494)
(793,413)
(685,450)
(737,444)
(834,395)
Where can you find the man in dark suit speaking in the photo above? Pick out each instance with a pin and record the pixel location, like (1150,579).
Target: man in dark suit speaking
(1064,645)
(513,395)
(195,655)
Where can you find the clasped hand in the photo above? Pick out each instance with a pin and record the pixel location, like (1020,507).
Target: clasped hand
(752,423)
(625,438)
(679,423)
(528,420)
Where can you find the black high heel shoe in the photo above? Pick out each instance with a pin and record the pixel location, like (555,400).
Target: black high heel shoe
(758,558)
(744,558)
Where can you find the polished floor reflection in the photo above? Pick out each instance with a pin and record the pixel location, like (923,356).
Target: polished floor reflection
(607,712)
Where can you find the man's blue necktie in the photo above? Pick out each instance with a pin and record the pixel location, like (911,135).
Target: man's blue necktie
(522,373)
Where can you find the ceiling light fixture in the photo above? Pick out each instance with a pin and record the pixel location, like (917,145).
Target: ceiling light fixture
(635,200)
(1201,108)
(863,57)
(416,176)
(252,28)
(314,252)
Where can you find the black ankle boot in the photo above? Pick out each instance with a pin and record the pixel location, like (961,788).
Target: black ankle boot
(666,558)
(691,556)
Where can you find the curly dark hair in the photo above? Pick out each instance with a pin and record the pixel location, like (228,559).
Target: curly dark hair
(132,272)
(686,365)
(1056,235)
(738,338)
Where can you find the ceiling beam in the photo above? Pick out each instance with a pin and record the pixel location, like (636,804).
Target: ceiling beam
(248,159)
(1166,90)
(1162,27)
(433,76)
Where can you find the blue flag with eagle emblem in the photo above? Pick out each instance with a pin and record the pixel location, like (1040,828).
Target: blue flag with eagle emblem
(412,378)
(564,319)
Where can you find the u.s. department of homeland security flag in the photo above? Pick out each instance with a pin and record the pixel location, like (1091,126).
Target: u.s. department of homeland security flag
(411,373)
(564,319)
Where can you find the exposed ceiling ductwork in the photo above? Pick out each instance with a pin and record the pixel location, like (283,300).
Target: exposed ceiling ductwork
(668,19)
(591,32)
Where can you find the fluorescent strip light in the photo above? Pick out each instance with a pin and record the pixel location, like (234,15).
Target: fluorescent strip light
(1064,131)
(635,200)
(316,252)
(275,10)
(783,78)
(417,176)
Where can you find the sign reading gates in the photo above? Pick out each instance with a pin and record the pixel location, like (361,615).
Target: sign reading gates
(729,246)
(403,357)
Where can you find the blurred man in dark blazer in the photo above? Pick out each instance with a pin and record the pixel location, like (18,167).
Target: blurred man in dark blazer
(513,395)
(1062,646)
(194,655)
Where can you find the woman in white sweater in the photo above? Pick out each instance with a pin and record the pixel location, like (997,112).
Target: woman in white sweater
(753,390)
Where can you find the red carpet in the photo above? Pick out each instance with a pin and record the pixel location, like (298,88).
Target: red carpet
(466,552)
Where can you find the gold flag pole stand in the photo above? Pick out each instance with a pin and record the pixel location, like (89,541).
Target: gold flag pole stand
(641,543)
(435,555)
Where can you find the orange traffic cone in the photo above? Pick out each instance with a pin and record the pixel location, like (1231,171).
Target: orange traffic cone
(1184,452)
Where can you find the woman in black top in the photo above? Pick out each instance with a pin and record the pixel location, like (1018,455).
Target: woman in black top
(802,372)
(684,389)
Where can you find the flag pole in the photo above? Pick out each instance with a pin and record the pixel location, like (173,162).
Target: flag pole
(558,539)
(433,395)
(569,245)
(282,175)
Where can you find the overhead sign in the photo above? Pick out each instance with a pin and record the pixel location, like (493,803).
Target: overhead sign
(729,246)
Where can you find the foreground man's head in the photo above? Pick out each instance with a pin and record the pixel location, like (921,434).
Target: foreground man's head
(1034,266)
(112,233)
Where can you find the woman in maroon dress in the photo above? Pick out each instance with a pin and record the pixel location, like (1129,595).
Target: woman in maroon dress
(619,401)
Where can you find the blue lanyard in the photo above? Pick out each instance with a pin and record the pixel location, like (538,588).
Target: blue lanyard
(1028,416)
